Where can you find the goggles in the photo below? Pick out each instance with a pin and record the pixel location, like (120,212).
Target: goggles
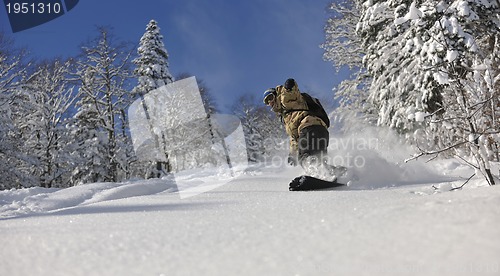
(268,96)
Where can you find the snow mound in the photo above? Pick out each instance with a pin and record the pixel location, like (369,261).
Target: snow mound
(42,200)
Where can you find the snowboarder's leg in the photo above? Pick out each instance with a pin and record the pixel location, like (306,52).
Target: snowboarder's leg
(313,144)
(313,141)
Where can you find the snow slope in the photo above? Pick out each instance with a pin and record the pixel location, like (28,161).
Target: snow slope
(254,226)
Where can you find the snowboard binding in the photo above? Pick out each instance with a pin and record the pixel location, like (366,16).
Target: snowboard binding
(319,175)
(319,168)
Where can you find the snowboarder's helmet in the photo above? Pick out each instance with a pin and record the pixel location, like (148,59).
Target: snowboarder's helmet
(289,84)
(269,95)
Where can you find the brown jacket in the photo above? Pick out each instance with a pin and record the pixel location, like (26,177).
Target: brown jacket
(295,121)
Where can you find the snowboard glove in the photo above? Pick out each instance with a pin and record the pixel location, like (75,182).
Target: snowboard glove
(289,84)
(292,160)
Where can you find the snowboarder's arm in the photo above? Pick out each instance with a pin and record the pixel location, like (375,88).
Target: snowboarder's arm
(294,147)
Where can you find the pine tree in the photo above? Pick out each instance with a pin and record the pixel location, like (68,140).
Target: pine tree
(152,67)
(152,71)
(390,61)
(462,56)
(434,74)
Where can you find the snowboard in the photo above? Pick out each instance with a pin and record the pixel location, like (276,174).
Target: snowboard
(308,183)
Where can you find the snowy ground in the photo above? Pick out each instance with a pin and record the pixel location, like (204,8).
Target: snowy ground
(254,226)
(396,219)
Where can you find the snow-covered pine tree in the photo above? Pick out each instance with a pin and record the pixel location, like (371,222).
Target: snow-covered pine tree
(152,67)
(435,74)
(398,80)
(50,97)
(152,71)
(103,97)
(462,55)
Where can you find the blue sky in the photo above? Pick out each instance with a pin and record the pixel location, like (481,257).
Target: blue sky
(236,47)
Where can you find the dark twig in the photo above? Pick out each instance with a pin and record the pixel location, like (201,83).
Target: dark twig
(467,181)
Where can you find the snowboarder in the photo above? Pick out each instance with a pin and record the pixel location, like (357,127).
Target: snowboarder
(308,133)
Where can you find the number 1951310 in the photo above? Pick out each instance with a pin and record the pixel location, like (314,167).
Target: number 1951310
(34,8)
